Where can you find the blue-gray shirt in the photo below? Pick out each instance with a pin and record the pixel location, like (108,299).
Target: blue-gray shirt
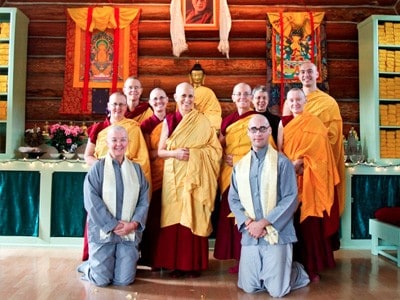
(99,216)
(281,217)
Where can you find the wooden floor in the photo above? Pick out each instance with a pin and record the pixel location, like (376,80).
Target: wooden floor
(50,273)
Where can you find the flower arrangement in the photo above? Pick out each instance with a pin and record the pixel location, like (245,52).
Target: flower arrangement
(66,138)
(33,137)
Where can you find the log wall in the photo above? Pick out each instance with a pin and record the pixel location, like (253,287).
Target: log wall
(158,67)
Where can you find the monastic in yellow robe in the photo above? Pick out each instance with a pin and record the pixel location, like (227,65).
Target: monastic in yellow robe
(137,148)
(140,117)
(323,106)
(157,165)
(306,137)
(189,187)
(237,144)
(207,103)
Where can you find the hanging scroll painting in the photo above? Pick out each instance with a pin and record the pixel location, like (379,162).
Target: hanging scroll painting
(101,58)
(294,38)
(100,40)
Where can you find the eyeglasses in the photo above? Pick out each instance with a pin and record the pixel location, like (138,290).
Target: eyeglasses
(133,87)
(245,94)
(158,98)
(117,104)
(261,129)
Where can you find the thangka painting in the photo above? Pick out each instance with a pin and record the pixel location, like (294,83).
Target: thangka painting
(101,51)
(101,58)
(293,38)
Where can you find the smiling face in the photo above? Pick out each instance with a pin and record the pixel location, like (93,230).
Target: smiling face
(308,75)
(241,96)
(117,106)
(158,100)
(133,91)
(295,101)
(260,100)
(117,142)
(184,97)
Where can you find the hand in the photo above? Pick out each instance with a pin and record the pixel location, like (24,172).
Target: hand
(182,154)
(229,159)
(153,154)
(257,229)
(124,228)
(298,165)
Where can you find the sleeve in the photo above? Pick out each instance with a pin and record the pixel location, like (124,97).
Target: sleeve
(92,194)
(142,206)
(287,202)
(234,203)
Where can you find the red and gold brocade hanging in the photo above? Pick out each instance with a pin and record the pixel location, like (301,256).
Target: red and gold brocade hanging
(295,38)
(100,40)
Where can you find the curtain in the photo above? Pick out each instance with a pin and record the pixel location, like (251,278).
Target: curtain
(68,215)
(19,203)
(370,192)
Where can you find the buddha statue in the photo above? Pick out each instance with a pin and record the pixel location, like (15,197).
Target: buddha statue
(205,99)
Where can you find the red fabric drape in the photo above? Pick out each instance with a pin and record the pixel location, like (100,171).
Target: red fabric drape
(88,38)
(282,63)
(116,53)
(312,55)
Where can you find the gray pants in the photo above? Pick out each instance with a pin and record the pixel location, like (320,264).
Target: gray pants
(270,268)
(111,263)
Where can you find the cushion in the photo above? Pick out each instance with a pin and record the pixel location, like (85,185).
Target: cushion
(389,215)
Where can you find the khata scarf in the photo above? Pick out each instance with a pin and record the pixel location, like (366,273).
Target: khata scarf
(268,186)
(131,188)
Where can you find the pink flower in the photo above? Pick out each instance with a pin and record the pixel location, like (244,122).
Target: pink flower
(65,137)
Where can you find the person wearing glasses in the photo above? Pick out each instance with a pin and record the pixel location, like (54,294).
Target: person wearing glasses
(263,198)
(304,140)
(192,154)
(96,147)
(136,110)
(236,143)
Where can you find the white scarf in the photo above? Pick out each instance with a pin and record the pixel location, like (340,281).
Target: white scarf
(131,188)
(177,29)
(268,186)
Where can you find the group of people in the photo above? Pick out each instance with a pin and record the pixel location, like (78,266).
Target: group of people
(155,177)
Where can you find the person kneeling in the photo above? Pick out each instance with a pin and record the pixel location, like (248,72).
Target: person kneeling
(263,198)
(116,200)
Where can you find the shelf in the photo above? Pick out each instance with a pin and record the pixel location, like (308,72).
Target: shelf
(390,73)
(389,46)
(389,127)
(389,100)
(379,51)
(13,58)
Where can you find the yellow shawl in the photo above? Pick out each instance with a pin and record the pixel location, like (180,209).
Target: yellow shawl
(143,116)
(157,165)
(130,181)
(323,106)
(306,137)
(207,103)
(189,187)
(269,178)
(237,144)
